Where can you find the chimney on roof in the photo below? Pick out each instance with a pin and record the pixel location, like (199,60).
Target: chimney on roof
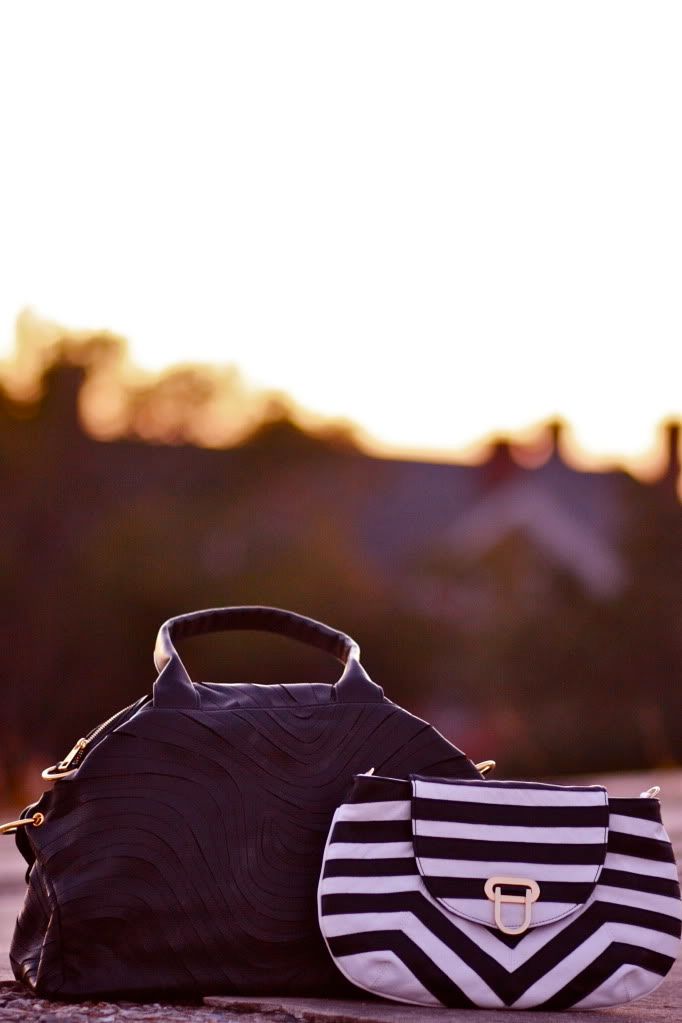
(59,405)
(500,464)
(672,447)
(555,430)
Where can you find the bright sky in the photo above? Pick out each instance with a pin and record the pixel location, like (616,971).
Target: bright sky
(436,218)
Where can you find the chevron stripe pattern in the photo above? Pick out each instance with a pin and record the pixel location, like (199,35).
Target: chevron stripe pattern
(404,913)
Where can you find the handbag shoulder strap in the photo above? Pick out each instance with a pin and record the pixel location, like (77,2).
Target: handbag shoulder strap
(174,688)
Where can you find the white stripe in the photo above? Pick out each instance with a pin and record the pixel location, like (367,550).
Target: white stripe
(389,972)
(463,976)
(391,810)
(637,826)
(576,961)
(641,900)
(370,885)
(482,910)
(485,868)
(508,796)
(624,985)
(509,833)
(368,850)
(636,865)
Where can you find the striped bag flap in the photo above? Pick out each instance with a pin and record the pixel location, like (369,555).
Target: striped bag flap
(510,855)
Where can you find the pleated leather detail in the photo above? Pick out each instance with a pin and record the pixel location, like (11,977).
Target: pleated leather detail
(182,859)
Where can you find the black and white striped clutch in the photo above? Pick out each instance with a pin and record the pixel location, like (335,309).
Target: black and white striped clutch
(499,894)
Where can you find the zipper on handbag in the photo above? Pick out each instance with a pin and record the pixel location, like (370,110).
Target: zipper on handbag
(75,755)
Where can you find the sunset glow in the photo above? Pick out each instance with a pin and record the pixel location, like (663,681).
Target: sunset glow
(440,221)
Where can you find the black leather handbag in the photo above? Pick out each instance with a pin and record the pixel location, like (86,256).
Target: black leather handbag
(178,851)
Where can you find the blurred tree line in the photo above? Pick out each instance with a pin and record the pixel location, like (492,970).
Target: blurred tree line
(109,531)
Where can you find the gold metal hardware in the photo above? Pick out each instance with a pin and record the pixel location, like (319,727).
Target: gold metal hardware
(53,773)
(13,826)
(650,793)
(63,765)
(63,769)
(485,766)
(532,894)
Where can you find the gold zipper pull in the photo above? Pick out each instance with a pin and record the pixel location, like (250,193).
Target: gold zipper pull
(64,764)
(63,769)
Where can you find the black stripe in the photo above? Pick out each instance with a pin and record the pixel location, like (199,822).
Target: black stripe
(517,852)
(641,882)
(644,809)
(389,866)
(601,969)
(372,831)
(499,813)
(572,892)
(644,848)
(417,962)
(379,790)
(380,902)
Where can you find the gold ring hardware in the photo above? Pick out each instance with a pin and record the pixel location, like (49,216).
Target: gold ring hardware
(12,826)
(53,773)
(532,894)
(485,766)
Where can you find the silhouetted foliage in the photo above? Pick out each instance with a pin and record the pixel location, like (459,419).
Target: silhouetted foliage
(509,652)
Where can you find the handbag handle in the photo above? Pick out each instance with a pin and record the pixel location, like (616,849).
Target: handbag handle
(174,688)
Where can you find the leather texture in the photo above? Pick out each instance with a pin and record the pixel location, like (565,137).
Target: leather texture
(182,856)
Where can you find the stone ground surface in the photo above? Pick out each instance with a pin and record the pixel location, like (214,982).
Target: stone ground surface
(663,1006)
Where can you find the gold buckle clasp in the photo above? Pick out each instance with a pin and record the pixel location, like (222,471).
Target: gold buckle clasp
(532,894)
